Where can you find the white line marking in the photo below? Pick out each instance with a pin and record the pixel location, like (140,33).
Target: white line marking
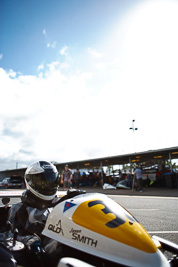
(145,209)
(11,193)
(18,193)
(122,196)
(162,232)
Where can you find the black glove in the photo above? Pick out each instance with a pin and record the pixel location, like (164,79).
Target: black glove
(33,241)
(75,192)
(36,251)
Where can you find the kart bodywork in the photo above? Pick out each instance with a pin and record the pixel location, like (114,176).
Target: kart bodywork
(96,230)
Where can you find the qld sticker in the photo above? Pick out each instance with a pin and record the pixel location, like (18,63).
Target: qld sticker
(68,205)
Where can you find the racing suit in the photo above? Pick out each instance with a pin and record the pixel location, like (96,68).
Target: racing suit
(29,217)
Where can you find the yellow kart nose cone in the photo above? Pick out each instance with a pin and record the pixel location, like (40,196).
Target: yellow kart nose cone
(116,224)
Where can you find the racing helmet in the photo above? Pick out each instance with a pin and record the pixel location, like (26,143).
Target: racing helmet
(41,179)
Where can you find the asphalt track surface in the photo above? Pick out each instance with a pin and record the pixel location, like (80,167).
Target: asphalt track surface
(155,209)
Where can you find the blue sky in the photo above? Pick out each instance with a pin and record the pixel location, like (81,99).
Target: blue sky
(74,74)
(27,27)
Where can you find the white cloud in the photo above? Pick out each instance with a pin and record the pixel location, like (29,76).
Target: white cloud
(45,105)
(12,73)
(40,67)
(64,51)
(52,45)
(1,56)
(94,53)
(44,32)
(49,44)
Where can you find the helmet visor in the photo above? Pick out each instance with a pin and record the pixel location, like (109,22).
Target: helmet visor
(45,183)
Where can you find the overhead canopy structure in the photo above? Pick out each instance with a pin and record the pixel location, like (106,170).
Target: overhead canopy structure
(138,157)
(149,156)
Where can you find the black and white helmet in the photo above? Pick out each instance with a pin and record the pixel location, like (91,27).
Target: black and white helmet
(41,179)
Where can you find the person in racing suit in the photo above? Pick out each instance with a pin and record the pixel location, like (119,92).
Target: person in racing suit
(29,216)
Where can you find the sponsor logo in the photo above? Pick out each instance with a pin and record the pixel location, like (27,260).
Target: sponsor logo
(47,167)
(84,239)
(75,231)
(57,228)
(68,205)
